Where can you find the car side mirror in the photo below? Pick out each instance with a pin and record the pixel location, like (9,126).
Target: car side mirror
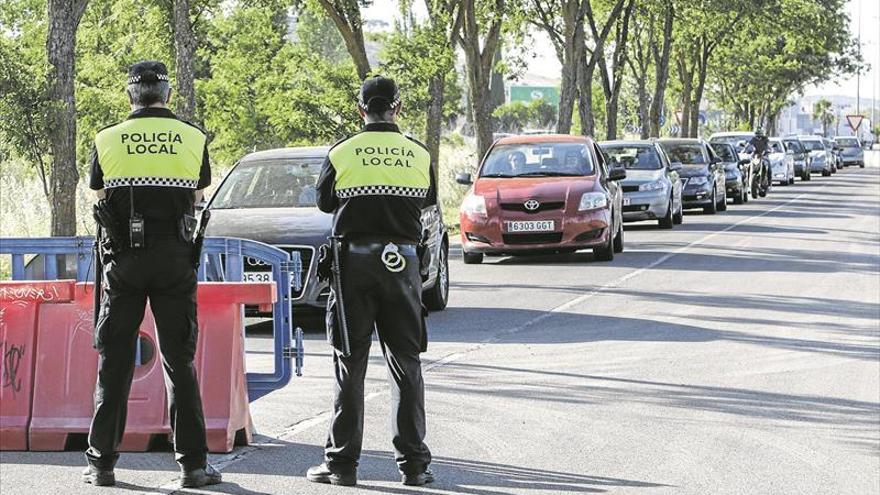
(675,166)
(617,173)
(464,178)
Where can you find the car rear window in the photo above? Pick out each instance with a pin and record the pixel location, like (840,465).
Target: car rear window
(794,146)
(281,183)
(725,151)
(633,157)
(538,160)
(812,144)
(686,153)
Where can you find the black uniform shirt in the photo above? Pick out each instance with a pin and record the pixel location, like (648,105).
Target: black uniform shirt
(375,217)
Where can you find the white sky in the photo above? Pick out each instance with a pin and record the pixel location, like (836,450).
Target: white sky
(544,62)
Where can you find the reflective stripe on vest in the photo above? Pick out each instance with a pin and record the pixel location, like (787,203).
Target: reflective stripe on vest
(151,151)
(381,163)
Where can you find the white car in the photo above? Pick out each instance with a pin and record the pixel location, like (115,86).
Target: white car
(781,163)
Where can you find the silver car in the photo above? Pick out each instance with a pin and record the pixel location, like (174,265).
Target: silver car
(820,157)
(652,187)
(851,151)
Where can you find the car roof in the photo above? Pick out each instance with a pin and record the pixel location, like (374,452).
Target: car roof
(844,137)
(681,140)
(732,133)
(628,142)
(542,138)
(807,137)
(280,153)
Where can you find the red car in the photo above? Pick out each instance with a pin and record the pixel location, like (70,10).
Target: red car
(542,194)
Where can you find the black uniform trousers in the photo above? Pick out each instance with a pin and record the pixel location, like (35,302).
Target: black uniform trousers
(163,272)
(390,302)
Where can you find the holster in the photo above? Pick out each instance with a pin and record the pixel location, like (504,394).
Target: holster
(331,323)
(113,240)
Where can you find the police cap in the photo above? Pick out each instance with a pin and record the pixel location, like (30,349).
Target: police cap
(378,94)
(147,71)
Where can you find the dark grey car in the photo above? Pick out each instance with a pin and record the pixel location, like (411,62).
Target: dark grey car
(269,196)
(738,173)
(702,173)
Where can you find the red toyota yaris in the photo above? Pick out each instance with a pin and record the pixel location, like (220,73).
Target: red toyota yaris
(542,194)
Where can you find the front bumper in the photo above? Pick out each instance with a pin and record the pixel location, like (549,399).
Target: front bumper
(696,197)
(799,167)
(488,235)
(734,186)
(645,205)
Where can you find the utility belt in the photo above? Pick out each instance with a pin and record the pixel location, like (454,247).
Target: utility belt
(358,247)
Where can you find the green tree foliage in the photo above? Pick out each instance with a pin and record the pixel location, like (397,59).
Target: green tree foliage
(519,115)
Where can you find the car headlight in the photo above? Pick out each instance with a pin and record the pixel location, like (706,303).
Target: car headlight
(474,203)
(592,200)
(652,186)
(698,180)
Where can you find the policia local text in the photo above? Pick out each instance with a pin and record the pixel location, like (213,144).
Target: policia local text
(154,143)
(389,156)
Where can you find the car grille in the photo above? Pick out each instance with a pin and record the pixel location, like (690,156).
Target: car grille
(630,188)
(548,206)
(542,238)
(306,254)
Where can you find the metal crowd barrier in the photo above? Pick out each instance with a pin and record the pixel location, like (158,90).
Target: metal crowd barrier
(222,260)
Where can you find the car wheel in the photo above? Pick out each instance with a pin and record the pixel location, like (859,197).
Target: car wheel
(605,252)
(862,165)
(713,206)
(471,258)
(678,218)
(805,175)
(667,221)
(740,198)
(436,297)
(826,173)
(618,240)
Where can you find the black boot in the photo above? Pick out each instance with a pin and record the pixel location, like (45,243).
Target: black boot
(323,474)
(418,479)
(200,477)
(98,477)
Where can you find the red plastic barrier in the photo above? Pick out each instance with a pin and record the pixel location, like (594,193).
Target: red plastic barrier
(220,359)
(19,305)
(67,370)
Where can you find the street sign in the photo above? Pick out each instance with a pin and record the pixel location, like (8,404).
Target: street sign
(550,94)
(854,121)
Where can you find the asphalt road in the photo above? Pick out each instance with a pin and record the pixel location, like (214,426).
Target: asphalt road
(738,353)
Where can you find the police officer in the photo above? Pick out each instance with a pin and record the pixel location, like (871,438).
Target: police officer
(376,183)
(148,171)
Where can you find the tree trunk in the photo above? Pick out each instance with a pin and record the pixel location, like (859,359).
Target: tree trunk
(585,100)
(185,48)
(573,55)
(686,77)
(346,15)
(434,116)
(64,17)
(661,70)
(479,50)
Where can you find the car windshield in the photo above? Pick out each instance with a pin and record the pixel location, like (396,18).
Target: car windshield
(776,147)
(633,157)
(813,145)
(686,153)
(794,146)
(725,152)
(538,160)
(847,142)
(279,183)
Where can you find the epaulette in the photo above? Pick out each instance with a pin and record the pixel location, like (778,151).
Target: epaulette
(337,143)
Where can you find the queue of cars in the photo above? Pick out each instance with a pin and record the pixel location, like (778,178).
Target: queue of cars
(550,193)
(535,193)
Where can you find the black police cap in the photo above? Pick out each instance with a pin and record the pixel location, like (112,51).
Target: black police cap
(378,94)
(147,71)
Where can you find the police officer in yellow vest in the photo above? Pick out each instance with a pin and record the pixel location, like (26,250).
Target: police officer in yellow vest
(376,183)
(148,171)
